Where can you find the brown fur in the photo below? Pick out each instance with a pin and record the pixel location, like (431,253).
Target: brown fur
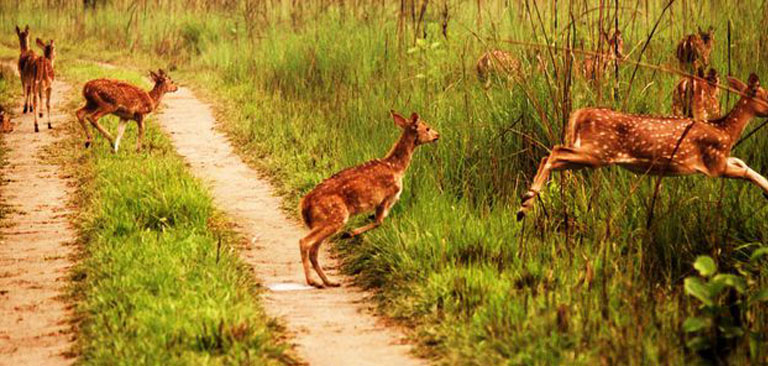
(374,185)
(27,59)
(496,63)
(696,98)
(126,101)
(599,137)
(694,49)
(42,68)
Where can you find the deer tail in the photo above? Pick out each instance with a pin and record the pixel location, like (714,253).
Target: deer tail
(573,121)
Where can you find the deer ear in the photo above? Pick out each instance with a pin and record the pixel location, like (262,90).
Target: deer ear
(737,84)
(50,42)
(160,72)
(18,31)
(26,29)
(153,75)
(40,42)
(414,118)
(399,120)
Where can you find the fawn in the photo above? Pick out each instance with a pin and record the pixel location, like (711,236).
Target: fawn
(128,102)
(374,185)
(496,62)
(26,59)
(42,68)
(694,49)
(667,146)
(697,98)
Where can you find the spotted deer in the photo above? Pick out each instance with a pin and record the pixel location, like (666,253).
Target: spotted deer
(666,146)
(374,185)
(697,98)
(496,63)
(27,58)
(694,49)
(126,101)
(597,64)
(42,68)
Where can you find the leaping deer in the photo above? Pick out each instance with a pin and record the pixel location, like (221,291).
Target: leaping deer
(374,185)
(698,98)
(42,68)
(666,146)
(128,102)
(26,58)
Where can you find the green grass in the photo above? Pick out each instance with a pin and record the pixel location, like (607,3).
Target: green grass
(306,93)
(159,281)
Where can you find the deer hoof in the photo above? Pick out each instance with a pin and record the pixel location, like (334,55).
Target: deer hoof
(40,115)
(50,127)
(520,215)
(346,235)
(25,108)
(316,284)
(332,284)
(87,144)
(37,129)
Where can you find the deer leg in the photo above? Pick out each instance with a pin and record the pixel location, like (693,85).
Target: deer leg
(40,96)
(48,105)
(81,115)
(34,106)
(309,246)
(737,169)
(94,118)
(120,131)
(140,137)
(561,158)
(25,93)
(381,213)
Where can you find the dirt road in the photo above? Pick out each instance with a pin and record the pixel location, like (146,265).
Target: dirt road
(332,327)
(36,245)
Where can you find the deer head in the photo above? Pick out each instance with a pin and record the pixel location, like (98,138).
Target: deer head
(163,82)
(754,97)
(416,127)
(23,37)
(48,48)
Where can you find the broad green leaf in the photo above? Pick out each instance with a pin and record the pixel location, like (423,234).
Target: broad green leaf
(758,253)
(731,280)
(698,343)
(760,296)
(695,324)
(698,289)
(705,265)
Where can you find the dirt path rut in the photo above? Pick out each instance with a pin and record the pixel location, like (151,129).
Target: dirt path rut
(35,245)
(332,327)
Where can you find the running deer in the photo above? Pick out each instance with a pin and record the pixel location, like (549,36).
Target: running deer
(42,68)
(666,146)
(697,98)
(497,62)
(26,59)
(374,185)
(128,102)
(694,49)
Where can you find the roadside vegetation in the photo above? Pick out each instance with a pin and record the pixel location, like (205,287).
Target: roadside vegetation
(595,275)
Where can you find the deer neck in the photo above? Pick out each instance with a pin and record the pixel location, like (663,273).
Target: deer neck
(401,153)
(157,95)
(737,119)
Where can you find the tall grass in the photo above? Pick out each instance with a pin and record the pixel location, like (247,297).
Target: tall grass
(304,91)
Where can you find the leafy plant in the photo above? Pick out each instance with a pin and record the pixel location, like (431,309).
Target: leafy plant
(725,301)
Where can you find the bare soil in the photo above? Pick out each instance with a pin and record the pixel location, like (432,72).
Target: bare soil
(36,244)
(330,327)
